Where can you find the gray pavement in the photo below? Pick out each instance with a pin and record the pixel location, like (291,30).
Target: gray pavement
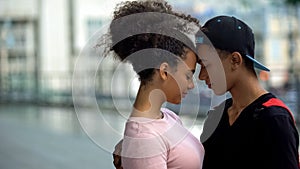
(36,144)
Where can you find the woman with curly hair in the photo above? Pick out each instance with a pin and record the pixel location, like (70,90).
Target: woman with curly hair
(154,39)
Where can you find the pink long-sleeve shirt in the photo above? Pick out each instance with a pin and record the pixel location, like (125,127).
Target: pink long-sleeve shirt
(160,144)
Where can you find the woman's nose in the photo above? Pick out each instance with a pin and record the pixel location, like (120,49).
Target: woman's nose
(191,85)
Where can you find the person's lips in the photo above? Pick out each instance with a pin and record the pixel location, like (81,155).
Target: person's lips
(208,84)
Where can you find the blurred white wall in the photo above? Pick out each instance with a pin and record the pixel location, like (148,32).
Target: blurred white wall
(54,38)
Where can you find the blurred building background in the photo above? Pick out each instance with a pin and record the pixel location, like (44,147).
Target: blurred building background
(41,39)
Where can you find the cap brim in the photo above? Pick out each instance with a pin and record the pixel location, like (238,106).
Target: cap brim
(257,64)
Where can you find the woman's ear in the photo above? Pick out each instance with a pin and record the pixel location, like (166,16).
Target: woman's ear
(236,60)
(163,70)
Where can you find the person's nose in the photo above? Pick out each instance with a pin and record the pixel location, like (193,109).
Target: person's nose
(191,85)
(202,74)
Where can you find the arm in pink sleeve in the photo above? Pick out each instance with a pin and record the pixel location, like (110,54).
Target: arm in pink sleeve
(156,162)
(144,151)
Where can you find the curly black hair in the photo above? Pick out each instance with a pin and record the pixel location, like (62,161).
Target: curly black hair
(154,26)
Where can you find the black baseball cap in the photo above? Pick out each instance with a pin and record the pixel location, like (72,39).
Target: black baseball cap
(230,34)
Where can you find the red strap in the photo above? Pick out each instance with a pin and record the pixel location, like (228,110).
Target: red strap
(277,102)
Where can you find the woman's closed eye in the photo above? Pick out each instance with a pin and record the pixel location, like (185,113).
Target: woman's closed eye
(189,75)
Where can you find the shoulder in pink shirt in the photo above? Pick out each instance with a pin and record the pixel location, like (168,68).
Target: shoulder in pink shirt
(160,144)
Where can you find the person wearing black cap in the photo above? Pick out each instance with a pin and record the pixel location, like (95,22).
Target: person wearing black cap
(253,129)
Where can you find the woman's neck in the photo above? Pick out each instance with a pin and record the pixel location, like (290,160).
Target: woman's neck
(148,102)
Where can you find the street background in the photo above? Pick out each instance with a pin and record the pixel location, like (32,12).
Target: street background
(40,41)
